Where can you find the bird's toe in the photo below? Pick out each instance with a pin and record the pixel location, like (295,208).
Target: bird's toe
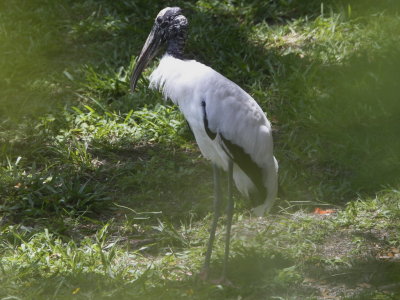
(203,275)
(222,281)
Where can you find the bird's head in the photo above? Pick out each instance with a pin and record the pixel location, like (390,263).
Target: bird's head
(169,26)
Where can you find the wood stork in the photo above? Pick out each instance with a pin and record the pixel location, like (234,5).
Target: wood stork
(229,126)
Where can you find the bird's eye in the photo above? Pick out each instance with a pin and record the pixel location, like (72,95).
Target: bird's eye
(164,24)
(159,20)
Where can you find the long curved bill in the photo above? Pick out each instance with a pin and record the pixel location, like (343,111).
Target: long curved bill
(148,52)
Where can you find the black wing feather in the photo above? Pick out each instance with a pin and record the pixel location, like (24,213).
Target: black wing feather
(241,158)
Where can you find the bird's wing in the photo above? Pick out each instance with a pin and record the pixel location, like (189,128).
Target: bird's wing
(244,132)
(236,116)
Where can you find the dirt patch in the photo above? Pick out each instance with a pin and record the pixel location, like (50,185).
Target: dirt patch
(338,245)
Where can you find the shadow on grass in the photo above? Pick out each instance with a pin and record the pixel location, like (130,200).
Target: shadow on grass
(359,279)
(253,275)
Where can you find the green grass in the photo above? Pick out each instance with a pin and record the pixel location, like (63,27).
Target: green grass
(104,194)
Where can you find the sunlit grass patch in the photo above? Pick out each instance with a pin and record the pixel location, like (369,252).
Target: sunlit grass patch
(159,124)
(104,194)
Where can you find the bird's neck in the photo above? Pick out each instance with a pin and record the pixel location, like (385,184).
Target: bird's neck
(176,46)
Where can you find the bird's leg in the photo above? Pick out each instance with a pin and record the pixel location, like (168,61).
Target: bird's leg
(217,204)
(229,213)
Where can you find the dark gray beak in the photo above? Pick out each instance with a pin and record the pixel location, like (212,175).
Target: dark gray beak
(150,49)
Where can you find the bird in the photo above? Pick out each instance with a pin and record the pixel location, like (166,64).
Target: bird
(230,128)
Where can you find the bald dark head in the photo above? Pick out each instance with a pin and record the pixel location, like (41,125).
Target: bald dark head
(170,27)
(173,28)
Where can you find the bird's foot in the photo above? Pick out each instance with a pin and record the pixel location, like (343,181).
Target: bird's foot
(222,281)
(203,275)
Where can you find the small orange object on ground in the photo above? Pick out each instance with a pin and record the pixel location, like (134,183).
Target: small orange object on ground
(319,211)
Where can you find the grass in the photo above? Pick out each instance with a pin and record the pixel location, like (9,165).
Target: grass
(104,194)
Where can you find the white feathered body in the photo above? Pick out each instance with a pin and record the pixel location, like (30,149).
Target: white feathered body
(231,112)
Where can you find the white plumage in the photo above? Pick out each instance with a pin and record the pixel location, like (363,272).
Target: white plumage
(231,112)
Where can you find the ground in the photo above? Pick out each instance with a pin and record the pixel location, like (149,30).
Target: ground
(104,194)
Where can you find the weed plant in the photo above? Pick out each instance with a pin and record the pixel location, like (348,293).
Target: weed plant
(104,194)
